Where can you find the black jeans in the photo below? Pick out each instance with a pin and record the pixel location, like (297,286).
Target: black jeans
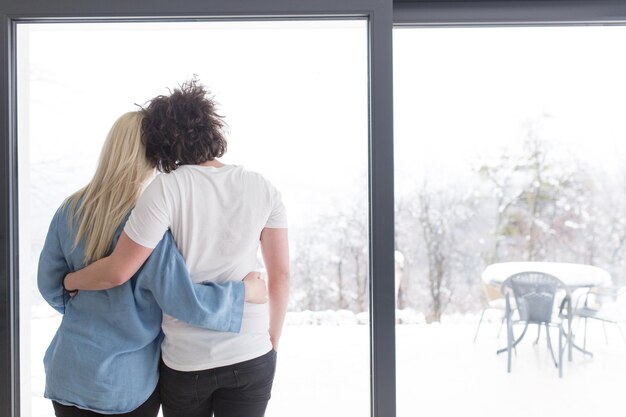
(239,390)
(150,408)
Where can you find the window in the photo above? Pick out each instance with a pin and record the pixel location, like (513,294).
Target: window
(374,40)
(381,201)
(508,147)
(290,91)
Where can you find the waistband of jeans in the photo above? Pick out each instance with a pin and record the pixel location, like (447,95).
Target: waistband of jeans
(249,362)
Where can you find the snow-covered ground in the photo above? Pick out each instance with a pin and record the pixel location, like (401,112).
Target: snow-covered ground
(323,370)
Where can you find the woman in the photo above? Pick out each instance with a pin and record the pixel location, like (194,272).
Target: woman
(218,215)
(104,357)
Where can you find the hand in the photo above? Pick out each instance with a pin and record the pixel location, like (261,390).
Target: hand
(256,290)
(71,293)
(274,342)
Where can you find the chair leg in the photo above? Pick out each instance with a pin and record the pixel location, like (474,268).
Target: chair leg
(509,333)
(585,335)
(509,343)
(502,325)
(550,345)
(606,337)
(479,322)
(538,333)
(515,341)
(621,331)
(561,351)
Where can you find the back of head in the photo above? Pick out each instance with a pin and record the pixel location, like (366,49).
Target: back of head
(183,128)
(100,207)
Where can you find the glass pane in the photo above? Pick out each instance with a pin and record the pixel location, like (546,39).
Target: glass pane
(509,152)
(294,95)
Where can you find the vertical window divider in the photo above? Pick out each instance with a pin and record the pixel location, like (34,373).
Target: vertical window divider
(381,208)
(9,303)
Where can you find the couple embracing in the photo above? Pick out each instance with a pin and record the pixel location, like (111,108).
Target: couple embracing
(157,286)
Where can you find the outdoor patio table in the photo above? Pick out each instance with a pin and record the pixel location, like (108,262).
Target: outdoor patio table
(574,276)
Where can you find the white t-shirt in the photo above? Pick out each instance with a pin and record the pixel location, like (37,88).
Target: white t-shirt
(216,216)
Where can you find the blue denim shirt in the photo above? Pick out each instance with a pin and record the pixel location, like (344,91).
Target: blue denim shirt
(105,354)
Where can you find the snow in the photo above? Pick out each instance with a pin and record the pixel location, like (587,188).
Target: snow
(323,370)
(574,275)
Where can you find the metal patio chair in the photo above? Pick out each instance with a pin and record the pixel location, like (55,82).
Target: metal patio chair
(534,294)
(495,301)
(605,304)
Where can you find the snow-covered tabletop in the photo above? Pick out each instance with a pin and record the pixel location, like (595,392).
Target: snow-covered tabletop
(572,275)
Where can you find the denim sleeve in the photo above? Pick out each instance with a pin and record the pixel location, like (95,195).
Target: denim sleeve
(53,267)
(211,306)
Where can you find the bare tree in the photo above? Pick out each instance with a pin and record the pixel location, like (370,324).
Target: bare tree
(435,234)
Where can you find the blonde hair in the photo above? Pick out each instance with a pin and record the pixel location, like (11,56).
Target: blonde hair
(99,208)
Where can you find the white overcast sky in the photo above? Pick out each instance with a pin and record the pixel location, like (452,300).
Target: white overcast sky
(295,97)
(462,92)
(293,93)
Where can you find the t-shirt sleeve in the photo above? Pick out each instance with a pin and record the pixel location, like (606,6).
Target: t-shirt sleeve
(151,217)
(278,213)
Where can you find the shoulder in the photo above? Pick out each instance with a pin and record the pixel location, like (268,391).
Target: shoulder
(255,177)
(61,227)
(162,186)
(63,214)
(262,187)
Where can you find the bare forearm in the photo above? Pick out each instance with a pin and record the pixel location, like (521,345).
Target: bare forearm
(278,289)
(275,250)
(96,276)
(109,272)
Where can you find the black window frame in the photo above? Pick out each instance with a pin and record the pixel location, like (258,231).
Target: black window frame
(382,17)
(442,13)
(380,21)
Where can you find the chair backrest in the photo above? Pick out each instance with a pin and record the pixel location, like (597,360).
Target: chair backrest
(534,294)
(492,291)
(600,297)
(603,295)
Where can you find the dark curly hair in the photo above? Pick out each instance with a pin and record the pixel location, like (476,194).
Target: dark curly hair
(183,128)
